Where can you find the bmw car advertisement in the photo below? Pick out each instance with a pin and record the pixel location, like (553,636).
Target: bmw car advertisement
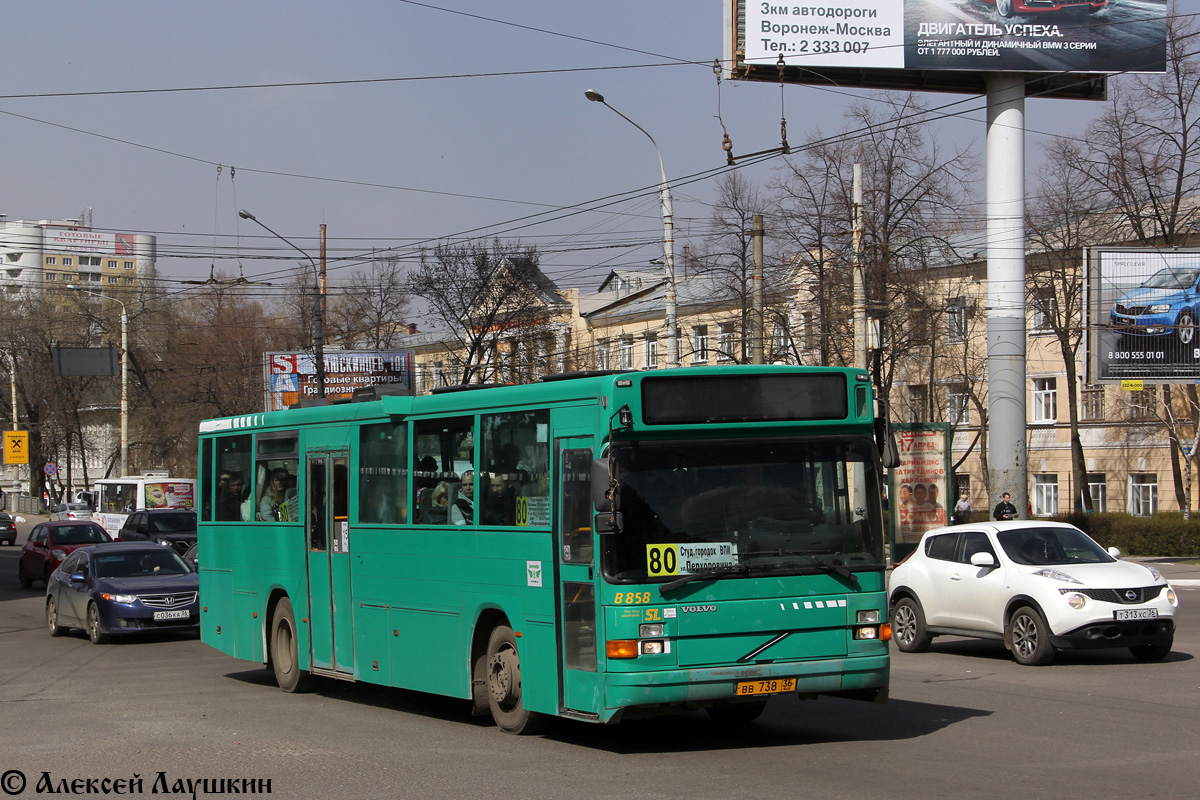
(1144,312)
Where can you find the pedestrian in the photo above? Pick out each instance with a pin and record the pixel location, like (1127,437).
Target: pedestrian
(1005,509)
(963,510)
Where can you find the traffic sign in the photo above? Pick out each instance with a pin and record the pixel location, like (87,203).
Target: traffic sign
(16,447)
(50,470)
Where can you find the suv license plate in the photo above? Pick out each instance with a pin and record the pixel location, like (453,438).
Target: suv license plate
(1136,613)
(775,686)
(180,614)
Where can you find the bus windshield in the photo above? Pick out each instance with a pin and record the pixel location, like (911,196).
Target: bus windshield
(763,506)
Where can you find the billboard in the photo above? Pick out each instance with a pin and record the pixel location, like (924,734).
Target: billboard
(1143,308)
(76,240)
(1067,45)
(292,376)
(920,486)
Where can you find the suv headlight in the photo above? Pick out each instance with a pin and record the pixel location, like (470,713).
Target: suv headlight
(1055,575)
(1157,575)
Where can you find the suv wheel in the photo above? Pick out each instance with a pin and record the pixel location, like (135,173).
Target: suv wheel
(1029,638)
(908,626)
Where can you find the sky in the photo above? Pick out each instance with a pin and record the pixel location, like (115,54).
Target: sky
(456,119)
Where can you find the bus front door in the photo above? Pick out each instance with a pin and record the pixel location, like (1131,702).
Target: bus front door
(329,590)
(579,680)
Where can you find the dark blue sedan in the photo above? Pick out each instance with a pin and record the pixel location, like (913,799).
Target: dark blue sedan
(122,588)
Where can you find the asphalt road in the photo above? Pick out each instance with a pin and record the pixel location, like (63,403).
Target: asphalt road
(964,721)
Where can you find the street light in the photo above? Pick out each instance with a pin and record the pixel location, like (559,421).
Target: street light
(124,375)
(319,332)
(668,238)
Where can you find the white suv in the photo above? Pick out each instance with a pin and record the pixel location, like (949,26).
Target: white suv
(1037,586)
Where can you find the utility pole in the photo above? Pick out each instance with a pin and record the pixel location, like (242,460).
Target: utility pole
(859,278)
(758,347)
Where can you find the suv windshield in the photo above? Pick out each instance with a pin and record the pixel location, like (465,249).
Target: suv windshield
(173,522)
(744,507)
(1046,546)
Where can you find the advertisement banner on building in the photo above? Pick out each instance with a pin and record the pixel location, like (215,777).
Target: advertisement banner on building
(1143,307)
(292,376)
(1038,36)
(919,488)
(76,240)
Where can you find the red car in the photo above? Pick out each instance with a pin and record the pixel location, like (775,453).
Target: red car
(51,542)
(1010,8)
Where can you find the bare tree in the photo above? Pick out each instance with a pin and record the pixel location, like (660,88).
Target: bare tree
(490,300)
(366,311)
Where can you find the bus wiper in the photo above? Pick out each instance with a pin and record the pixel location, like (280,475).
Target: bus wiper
(837,569)
(704,575)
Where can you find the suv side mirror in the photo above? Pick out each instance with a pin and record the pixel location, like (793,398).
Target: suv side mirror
(983,560)
(1115,552)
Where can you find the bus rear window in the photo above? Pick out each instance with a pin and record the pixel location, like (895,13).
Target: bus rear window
(699,399)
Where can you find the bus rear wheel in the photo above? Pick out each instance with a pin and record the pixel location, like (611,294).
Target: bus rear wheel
(504,685)
(284,655)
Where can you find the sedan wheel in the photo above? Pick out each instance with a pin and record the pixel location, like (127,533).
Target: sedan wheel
(1005,8)
(52,619)
(1029,638)
(95,633)
(1185,328)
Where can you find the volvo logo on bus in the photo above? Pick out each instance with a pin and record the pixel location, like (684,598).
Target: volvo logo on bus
(697,609)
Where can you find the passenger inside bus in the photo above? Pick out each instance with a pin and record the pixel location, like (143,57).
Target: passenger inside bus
(233,497)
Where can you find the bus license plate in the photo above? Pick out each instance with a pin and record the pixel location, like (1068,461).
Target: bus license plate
(1136,613)
(180,614)
(774,686)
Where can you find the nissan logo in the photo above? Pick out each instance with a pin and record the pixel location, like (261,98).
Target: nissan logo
(1130,595)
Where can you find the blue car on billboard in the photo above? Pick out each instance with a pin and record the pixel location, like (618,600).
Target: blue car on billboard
(1166,304)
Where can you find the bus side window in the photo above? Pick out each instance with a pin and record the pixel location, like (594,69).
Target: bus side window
(443,450)
(515,459)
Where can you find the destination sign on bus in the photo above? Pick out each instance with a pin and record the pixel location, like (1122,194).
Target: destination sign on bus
(684,559)
(690,399)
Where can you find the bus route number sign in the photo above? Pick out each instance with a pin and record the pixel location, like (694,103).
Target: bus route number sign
(684,559)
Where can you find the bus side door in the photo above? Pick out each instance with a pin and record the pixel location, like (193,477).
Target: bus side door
(574,567)
(329,590)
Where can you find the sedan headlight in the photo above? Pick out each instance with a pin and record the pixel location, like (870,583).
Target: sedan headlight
(1055,575)
(126,599)
(1160,308)
(58,554)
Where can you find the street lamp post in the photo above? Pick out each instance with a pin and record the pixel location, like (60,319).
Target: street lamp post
(124,375)
(319,327)
(668,236)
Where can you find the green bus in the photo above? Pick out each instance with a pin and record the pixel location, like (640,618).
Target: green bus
(596,546)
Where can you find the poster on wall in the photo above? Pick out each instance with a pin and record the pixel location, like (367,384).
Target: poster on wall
(1144,307)
(1039,36)
(920,486)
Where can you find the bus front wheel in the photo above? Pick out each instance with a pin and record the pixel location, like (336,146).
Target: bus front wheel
(284,655)
(504,685)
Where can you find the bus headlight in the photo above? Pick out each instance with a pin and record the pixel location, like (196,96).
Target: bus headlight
(650,630)
(869,616)
(653,647)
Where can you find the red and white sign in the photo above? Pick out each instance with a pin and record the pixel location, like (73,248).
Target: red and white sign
(77,240)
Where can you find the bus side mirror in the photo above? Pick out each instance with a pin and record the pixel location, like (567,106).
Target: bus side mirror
(603,496)
(609,522)
(885,439)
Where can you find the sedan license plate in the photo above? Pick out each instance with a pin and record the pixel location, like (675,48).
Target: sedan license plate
(180,614)
(1135,613)
(775,686)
